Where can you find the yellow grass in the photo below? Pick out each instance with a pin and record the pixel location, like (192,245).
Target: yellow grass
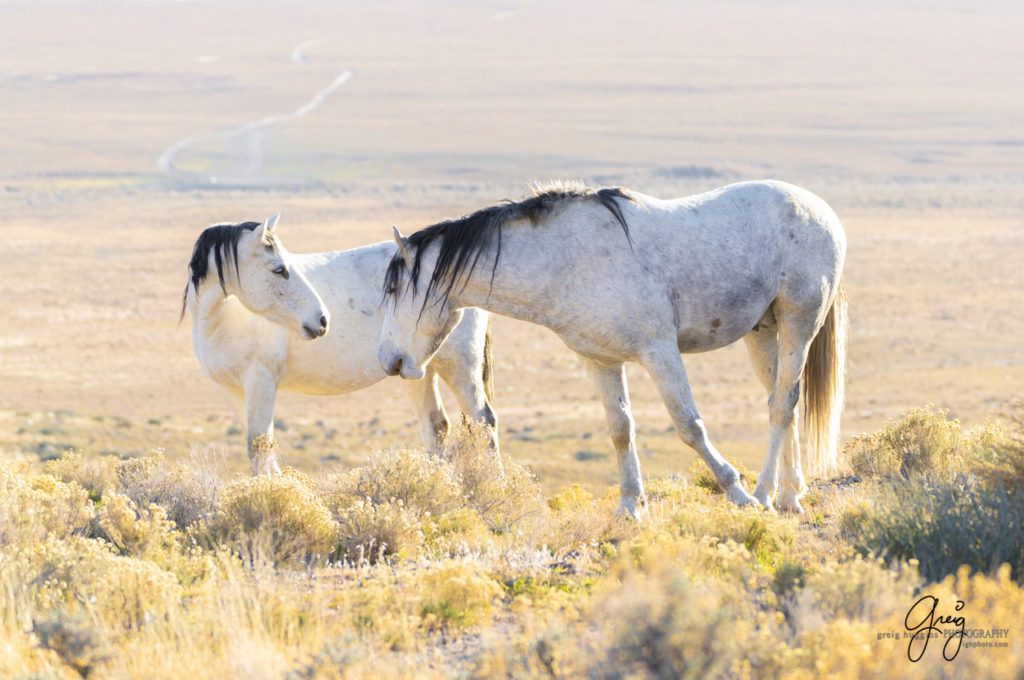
(267,582)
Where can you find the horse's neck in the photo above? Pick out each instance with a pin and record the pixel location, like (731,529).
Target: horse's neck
(210,308)
(519,282)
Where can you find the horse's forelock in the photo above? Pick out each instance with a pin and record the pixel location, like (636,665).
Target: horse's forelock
(393,278)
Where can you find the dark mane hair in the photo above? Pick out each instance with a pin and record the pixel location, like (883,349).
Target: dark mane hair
(464,240)
(222,241)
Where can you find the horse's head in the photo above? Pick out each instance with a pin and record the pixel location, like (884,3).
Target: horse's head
(269,285)
(417,316)
(264,280)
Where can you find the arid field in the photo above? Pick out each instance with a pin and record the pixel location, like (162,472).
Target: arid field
(127,127)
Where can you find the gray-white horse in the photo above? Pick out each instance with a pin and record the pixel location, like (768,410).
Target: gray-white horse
(251,321)
(620,276)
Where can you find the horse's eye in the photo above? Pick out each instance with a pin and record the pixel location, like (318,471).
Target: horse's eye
(281,271)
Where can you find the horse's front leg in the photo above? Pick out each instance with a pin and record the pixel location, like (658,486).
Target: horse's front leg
(665,367)
(430,413)
(467,385)
(260,392)
(611,381)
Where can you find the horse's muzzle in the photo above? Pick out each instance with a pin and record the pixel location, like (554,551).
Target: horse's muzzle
(395,367)
(313,332)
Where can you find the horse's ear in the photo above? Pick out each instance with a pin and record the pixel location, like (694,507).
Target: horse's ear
(271,222)
(403,246)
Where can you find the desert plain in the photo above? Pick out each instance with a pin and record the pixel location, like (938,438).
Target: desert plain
(127,127)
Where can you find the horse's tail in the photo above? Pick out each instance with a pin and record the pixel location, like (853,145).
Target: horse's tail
(487,374)
(823,389)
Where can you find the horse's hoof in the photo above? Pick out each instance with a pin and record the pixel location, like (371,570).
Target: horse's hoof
(763,497)
(629,509)
(790,502)
(738,496)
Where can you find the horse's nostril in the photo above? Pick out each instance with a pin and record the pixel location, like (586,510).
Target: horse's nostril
(323,322)
(398,366)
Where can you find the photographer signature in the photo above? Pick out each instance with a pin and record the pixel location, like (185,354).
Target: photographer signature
(923,624)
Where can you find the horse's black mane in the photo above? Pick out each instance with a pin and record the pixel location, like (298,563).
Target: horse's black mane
(464,240)
(222,241)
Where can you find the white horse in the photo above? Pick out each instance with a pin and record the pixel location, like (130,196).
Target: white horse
(251,323)
(620,276)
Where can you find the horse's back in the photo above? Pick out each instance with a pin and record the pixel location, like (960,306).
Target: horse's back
(724,256)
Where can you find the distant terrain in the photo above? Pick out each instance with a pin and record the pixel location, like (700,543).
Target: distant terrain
(126,132)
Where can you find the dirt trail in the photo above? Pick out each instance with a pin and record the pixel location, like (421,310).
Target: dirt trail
(252,131)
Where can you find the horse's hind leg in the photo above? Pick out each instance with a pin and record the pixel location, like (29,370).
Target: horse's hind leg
(611,381)
(429,411)
(665,367)
(763,347)
(796,330)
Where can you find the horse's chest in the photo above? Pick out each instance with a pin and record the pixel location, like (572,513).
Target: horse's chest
(219,365)
(226,354)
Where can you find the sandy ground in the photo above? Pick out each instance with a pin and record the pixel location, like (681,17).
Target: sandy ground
(907,117)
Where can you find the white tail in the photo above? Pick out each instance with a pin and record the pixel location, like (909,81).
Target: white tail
(824,383)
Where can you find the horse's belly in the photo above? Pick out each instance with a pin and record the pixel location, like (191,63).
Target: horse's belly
(716,323)
(691,340)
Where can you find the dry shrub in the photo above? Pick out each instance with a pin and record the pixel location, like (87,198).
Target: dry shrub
(942,524)
(551,651)
(383,507)
(348,658)
(660,624)
(371,531)
(25,656)
(997,456)
(123,592)
(503,492)
(188,492)
(384,612)
(455,533)
(957,501)
(339,658)
(573,497)
(921,441)
(847,646)
(700,475)
(78,642)
(423,483)
(278,517)
(858,590)
(401,499)
(675,489)
(94,474)
(35,506)
(764,535)
(456,595)
(576,520)
(990,602)
(147,534)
